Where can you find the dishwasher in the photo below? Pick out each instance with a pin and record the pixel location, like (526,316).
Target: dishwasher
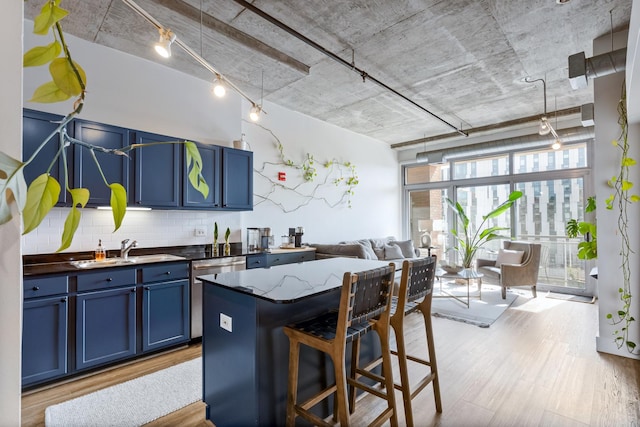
(203,267)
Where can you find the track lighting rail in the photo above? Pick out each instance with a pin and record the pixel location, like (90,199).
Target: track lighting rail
(338,59)
(199,59)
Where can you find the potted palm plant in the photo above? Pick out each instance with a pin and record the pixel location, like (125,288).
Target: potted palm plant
(469,238)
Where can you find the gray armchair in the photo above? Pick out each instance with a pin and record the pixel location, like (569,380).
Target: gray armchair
(507,275)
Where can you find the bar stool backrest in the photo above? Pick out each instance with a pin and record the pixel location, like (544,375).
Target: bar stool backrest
(370,293)
(422,275)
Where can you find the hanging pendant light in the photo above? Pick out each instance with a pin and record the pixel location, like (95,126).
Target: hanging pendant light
(254,113)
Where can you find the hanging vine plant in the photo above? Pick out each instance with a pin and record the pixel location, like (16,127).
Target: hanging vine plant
(68,81)
(622,198)
(336,173)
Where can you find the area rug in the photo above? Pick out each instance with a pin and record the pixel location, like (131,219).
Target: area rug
(481,312)
(135,402)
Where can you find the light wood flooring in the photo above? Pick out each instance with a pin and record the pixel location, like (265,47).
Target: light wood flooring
(535,366)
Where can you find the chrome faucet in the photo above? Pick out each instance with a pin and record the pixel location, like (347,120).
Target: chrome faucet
(124,249)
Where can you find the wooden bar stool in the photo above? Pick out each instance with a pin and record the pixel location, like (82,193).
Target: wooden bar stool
(365,304)
(416,283)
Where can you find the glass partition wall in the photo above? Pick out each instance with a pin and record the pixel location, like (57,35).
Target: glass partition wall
(554,184)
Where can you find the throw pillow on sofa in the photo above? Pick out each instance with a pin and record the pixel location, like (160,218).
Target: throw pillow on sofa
(509,256)
(367,247)
(392,252)
(379,252)
(406,247)
(356,251)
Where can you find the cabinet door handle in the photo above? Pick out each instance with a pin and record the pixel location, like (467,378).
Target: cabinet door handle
(109,279)
(133,290)
(36,288)
(63,299)
(168,273)
(146,288)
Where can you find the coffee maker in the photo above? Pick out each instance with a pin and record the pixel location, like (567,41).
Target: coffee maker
(259,239)
(297,233)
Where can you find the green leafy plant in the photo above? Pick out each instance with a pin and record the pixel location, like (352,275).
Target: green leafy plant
(470,238)
(227,234)
(68,80)
(622,198)
(215,231)
(587,249)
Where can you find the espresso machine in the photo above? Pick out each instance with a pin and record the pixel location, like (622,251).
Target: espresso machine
(296,233)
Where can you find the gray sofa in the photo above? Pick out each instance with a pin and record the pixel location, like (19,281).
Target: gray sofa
(383,248)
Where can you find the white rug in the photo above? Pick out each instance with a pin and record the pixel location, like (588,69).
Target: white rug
(481,312)
(132,403)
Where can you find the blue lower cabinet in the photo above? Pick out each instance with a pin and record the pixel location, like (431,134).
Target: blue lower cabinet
(44,339)
(105,326)
(165,314)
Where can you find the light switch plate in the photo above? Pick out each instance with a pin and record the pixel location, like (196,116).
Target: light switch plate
(199,232)
(225,322)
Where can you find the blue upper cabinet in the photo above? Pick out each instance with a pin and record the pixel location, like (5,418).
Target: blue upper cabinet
(158,172)
(116,169)
(237,179)
(36,126)
(191,198)
(154,176)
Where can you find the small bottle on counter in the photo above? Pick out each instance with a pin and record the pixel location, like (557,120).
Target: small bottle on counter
(100,253)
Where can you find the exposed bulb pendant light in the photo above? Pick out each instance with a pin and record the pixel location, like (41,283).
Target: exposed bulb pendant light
(556,144)
(218,86)
(545,127)
(163,47)
(254,113)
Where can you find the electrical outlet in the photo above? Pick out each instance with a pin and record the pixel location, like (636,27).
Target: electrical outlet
(225,322)
(199,232)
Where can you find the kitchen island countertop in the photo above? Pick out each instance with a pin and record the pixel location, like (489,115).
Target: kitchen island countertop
(293,282)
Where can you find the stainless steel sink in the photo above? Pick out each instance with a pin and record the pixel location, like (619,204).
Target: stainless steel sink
(155,258)
(111,262)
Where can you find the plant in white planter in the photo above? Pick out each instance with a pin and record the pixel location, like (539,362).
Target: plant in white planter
(470,238)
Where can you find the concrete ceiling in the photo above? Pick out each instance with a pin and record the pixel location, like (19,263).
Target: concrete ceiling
(463,60)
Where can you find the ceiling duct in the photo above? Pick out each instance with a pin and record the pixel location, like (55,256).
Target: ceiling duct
(581,68)
(570,135)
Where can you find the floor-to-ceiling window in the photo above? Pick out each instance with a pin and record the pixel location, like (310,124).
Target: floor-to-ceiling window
(554,184)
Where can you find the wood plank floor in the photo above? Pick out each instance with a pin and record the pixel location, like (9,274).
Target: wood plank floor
(535,366)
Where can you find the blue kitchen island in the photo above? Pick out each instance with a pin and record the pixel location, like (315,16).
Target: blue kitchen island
(246,353)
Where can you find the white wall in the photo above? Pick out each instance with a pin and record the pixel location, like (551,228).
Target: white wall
(10,256)
(132,92)
(607,91)
(375,210)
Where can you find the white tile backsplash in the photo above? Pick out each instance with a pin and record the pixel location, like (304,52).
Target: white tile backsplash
(155,228)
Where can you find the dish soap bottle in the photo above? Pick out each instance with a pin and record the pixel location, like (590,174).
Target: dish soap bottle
(100,253)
